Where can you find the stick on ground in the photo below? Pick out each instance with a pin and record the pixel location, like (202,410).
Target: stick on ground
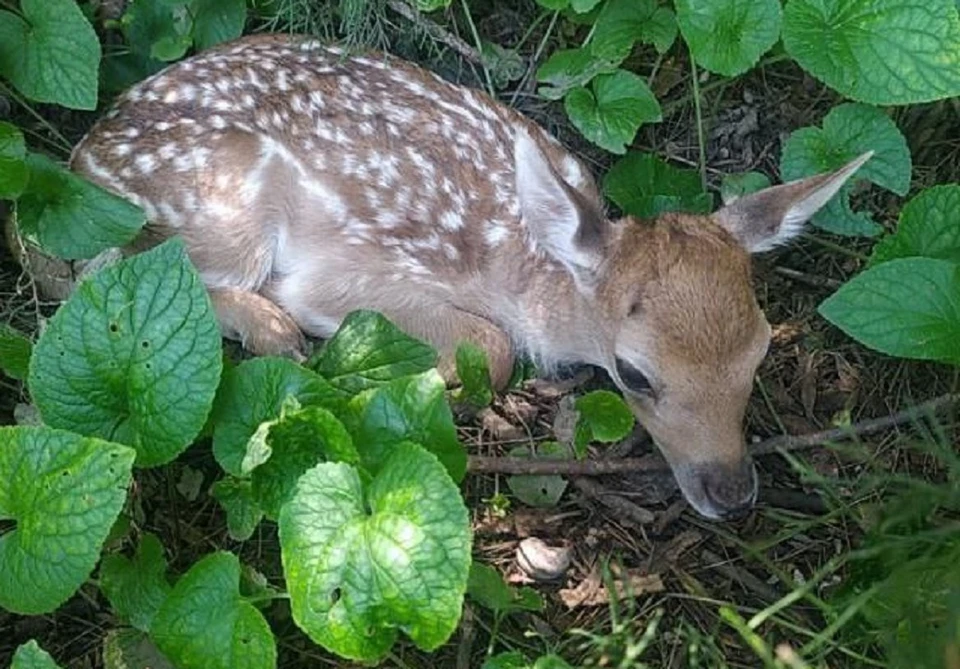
(480,464)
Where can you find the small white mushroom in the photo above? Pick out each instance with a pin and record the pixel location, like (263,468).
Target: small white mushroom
(542,562)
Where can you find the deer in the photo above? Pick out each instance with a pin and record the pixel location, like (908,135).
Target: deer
(308,182)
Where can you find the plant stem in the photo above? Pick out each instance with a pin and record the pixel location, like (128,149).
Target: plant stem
(699,117)
(479,46)
(536,57)
(10,93)
(835,247)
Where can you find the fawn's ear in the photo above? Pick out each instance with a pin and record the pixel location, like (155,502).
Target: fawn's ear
(560,220)
(774,216)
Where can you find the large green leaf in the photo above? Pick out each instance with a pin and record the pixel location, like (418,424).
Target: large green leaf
(610,114)
(643,185)
(729,36)
(848,131)
(206,624)
(412,408)
(133,356)
(622,23)
(253,393)
(50,53)
(363,561)
(293,444)
(64,492)
(71,217)
(136,588)
(367,351)
(908,307)
(31,656)
(929,226)
(881,52)
(216,21)
(13,168)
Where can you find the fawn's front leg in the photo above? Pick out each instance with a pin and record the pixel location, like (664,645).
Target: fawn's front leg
(261,326)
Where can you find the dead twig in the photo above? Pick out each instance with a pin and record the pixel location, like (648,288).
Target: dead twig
(479,464)
(435,30)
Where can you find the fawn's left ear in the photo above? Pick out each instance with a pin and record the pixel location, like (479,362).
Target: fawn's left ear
(775,215)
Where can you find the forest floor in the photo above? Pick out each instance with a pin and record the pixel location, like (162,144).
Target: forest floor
(814,378)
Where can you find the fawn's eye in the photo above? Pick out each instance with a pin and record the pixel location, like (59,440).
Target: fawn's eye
(635,380)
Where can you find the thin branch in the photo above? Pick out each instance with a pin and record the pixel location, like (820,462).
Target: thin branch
(435,30)
(479,464)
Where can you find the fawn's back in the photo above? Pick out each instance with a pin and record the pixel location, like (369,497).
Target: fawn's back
(307,184)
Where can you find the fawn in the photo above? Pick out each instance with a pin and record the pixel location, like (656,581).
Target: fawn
(307,183)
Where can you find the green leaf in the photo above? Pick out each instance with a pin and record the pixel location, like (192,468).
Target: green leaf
(540,490)
(604,416)
(473,370)
(583,6)
(50,53)
(729,36)
(31,656)
(883,52)
(295,443)
(412,408)
(206,624)
(161,30)
(136,588)
(13,169)
(71,217)
(611,114)
(643,185)
(127,648)
(15,351)
(848,131)
(368,351)
(254,393)
(929,226)
(571,68)
(237,500)
(364,561)
(554,5)
(621,23)
(908,307)
(738,184)
(216,21)
(64,492)
(133,356)
(486,587)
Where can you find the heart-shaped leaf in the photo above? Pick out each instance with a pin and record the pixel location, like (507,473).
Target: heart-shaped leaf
(64,492)
(610,114)
(883,52)
(643,185)
(848,131)
(929,226)
(136,588)
(729,36)
(133,356)
(363,561)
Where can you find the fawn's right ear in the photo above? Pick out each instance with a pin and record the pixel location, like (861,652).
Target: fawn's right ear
(561,221)
(774,216)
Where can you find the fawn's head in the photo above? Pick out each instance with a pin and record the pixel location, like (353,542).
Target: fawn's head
(674,312)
